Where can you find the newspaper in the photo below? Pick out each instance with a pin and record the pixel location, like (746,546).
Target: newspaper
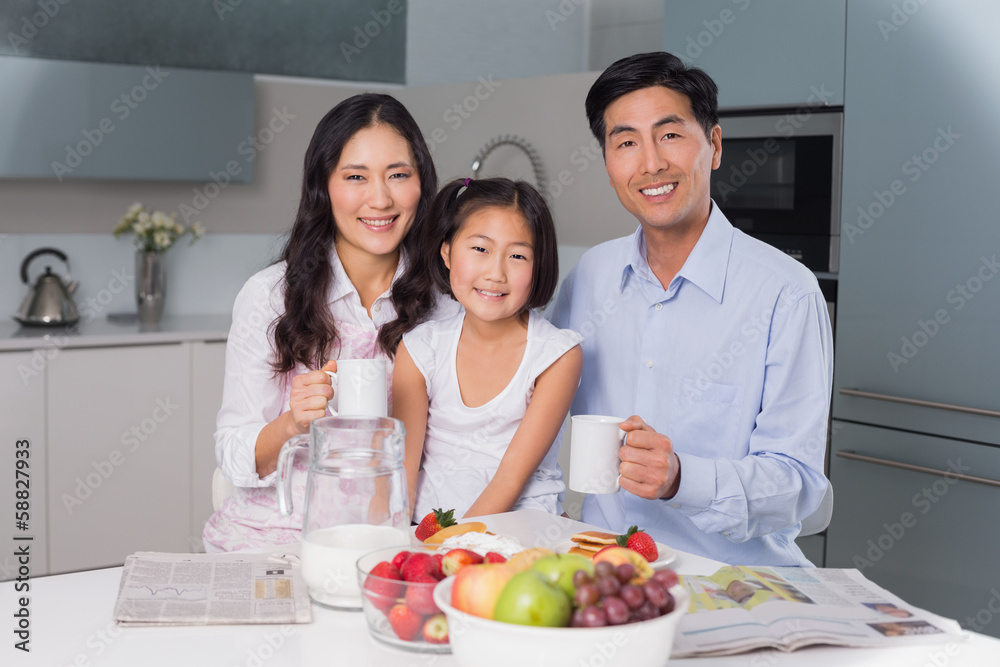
(742,608)
(210,589)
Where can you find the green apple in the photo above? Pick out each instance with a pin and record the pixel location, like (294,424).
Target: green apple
(529,599)
(560,568)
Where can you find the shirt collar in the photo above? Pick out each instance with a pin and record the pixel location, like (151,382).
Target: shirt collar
(706,266)
(342,285)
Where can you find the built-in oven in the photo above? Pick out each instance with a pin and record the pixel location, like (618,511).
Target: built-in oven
(780,181)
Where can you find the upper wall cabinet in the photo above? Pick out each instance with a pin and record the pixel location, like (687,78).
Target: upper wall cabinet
(781,53)
(65,119)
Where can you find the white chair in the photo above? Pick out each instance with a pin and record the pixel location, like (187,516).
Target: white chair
(221,488)
(820,519)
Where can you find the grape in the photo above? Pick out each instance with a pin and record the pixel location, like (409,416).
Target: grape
(604,569)
(616,610)
(576,620)
(608,585)
(580,577)
(625,572)
(594,617)
(587,595)
(669,606)
(655,593)
(632,595)
(647,611)
(666,577)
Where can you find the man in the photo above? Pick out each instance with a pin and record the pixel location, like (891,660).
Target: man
(718,344)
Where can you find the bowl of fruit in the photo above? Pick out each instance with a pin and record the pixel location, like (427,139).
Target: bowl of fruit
(545,608)
(397,586)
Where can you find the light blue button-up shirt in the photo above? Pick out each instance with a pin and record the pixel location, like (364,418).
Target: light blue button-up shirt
(734,363)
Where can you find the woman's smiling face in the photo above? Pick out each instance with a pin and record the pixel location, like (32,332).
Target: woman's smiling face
(374,192)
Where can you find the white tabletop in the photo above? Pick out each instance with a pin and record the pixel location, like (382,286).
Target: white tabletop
(71,624)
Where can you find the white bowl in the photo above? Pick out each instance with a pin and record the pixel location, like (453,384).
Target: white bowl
(479,642)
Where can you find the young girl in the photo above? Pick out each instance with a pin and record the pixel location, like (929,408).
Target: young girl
(483,394)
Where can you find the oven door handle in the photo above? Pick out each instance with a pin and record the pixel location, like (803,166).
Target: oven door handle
(854,456)
(920,403)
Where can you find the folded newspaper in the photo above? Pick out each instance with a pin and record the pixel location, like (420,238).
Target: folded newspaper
(742,608)
(211,589)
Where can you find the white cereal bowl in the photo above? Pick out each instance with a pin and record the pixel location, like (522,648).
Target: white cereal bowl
(479,642)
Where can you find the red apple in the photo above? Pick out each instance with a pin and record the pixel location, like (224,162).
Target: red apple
(477,588)
(456,559)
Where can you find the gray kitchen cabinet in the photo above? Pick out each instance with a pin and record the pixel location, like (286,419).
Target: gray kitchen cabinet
(208,370)
(921,531)
(919,305)
(22,429)
(917,374)
(119,445)
(780,53)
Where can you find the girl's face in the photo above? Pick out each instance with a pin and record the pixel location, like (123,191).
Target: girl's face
(491,262)
(374,192)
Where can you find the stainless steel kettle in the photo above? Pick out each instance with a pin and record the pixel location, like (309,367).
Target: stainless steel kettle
(50,301)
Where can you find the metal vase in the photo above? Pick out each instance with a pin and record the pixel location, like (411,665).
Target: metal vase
(150,286)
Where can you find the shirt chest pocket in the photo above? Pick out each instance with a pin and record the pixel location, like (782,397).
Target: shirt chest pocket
(705,416)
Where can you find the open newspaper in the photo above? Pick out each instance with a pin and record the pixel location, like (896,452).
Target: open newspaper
(738,609)
(209,589)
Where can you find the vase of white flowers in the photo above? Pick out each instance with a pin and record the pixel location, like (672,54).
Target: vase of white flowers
(155,232)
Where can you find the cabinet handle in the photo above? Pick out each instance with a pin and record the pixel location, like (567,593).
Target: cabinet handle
(916,401)
(854,456)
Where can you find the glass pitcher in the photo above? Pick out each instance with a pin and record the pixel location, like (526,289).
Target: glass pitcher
(356,500)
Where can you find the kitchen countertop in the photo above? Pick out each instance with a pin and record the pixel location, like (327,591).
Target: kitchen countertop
(103,332)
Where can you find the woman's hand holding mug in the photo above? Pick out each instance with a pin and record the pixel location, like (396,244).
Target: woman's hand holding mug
(311,392)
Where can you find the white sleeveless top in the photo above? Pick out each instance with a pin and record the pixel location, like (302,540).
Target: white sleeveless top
(463,446)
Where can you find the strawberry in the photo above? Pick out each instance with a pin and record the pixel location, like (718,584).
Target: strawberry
(436,629)
(438,571)
(417,565)
(383,591)
(420,596)
(641,542)
(405,622)
(456,559)
(399,559)
(494,557)
(433,522)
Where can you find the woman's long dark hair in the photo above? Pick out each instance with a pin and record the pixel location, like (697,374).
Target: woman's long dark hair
(426,276)
(306,333)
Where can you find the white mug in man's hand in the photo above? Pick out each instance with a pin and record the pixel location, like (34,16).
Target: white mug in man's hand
(359,388)
(593,454)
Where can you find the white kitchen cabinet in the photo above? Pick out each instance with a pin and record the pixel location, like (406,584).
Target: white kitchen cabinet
(208,370)
(119,445)
(22,404)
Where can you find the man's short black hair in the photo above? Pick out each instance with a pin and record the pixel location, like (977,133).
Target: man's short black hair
(644,70)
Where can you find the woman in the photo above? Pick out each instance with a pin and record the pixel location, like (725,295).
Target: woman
(367,184)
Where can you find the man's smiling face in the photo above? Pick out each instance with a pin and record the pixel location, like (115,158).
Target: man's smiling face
(659,160)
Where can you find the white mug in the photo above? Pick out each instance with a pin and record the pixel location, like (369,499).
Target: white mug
(359,388)
(593,462)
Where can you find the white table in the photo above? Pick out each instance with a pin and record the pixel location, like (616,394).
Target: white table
(71,624)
